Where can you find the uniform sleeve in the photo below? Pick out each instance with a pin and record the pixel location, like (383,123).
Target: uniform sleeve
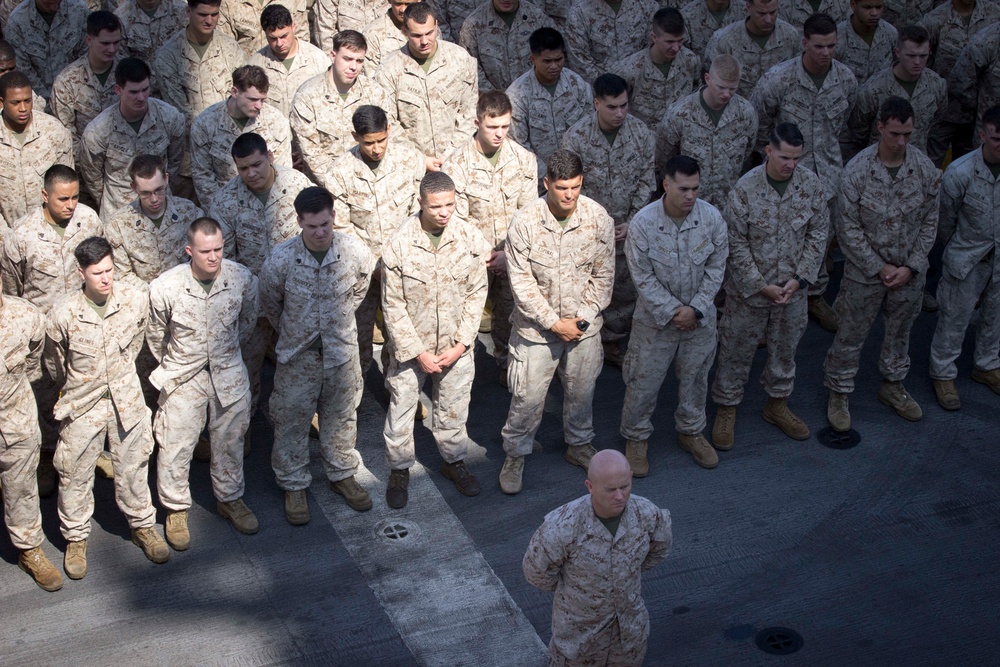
(92,155)
(851,235)
(766,99)
(178,144)
(302,120)
(661,539)
(36,346)
(271,293)
(953,188)
(123,265)
(743,269)
(56,348)
(454,166)
(519,118)
(644,190)
(282,134)
(814,248)
(668,138)
(963,80)
(578,43)
(475,292)
(13,265)
(171,85)
(465,117)
(597,292)
(325,16)
(859,123)
(205,182)
(544,558)
(405,339)
(468,40)
(61,103)
(527,296)
(158,324)
(250,310)
(715,268)
(657,299)
(529,181)
(363,281)
(928,215)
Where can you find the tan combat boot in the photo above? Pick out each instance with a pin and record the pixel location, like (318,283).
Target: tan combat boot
(397,490)
(580,455)
(635,454)
(990,378)
(510,474)
(296,507)
(724,427)
(838,413)
(151,543)
(176,530)
(821,311)
(698,447)
(896,397)
(105,466)
(947,394)
(778,413)
(355,495)
(239,515)
(41,569)
(75,559)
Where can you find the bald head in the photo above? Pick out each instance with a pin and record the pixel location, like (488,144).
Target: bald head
(606,462)
(609,480)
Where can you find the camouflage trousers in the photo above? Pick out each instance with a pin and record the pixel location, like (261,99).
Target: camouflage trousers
(178,425)
(503,306)
(618,314)
(18,463)
(958,302)
(740,328)
(81,440)
(605,649)
(364,316)
(450,409)
(261,342)
(857,306)
(650,353)
(46,394)
(532,366)
(304,387)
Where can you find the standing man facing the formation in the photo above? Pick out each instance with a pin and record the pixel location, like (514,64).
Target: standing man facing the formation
(560,261)
(200,315)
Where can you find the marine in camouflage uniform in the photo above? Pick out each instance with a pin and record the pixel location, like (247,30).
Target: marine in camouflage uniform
(146,247)
(333,16)
(778,223)
(974,83)
(970,208)
(309,296)
(901,13)
(561,276)
(499,41)
(676,250)
(452,13)
(865,55)
(702,19)
(145,34)
(287,74)
(618,172)
(240,19)
(887,226)
(756,54)
(599,36)
(592,552)
(195,331)
(384,36)
(488,192)
(796,12)
(43,48)
(433,291)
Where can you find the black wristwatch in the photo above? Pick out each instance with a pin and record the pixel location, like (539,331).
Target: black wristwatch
(697,313)
(803,283)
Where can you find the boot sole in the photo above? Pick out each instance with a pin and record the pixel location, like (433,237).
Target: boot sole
(148,555)
(975,378)
(50,589)
(706,466)
(467,494)
(896,410)
(511,492)
(297,520)
(800,438)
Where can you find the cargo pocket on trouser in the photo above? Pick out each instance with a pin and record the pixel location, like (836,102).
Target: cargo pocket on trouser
(517,366)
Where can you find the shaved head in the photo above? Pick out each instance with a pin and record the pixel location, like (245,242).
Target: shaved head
(609,480)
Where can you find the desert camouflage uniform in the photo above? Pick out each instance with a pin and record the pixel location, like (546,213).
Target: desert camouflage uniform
(101,398)
(501,51)
(700,24)
(23,165)
(78,96)
(436,109)
(687,129)
(950,32)
(144,250)
(196,337)
(672,266)
(369,205)
(772,239)
(929,101)
(109,143)
(901,13)
(975,80)
(432,299)
(621,177)
(650,93)
(865,59)
(784,42)
(882,220)
(556,272)
(43,50)
(22,337)
(143,34)
(787,94)
(598,615)
(383,38)
(539,118)
(311,305)
(6,7)
(321,120)
(257,229)
(192,83)
(597,37)
(488,196)
(451,14)
(797,11)
(970,206)
(333,16)
(240,20)
(308,62)
(212,136)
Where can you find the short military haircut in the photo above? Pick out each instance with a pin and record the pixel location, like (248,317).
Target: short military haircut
(352,39)
(247,144)
(913,33)
(895,108)
(203,225)
(493,103)
(563,165)
(101,20)
(59,173)
(609,85)
(12,80)
(992,117)
(146,166)
(419,13)
(819,24)
(92,250)
(192,4)
(275,17)
(369,119)
(786,133)
(434,182)
(685,165)
(726,67)
(131,70)
(7,51)
(668,20)
(546,39)
(250,76)
(313,200)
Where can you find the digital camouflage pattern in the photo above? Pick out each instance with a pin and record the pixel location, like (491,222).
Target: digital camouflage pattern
(383,38)
(650,93)
(332,16)
(78,96)
(864,59)
(44,50)
(240,19)
(192,83)
(785,42)
(975,79)
(796,12)
(23,164)
(950,32)
(307,62)
(501,51)
(597,36)
(143,34)
(700,24)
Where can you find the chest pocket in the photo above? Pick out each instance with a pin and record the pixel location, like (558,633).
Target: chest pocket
(702,249)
